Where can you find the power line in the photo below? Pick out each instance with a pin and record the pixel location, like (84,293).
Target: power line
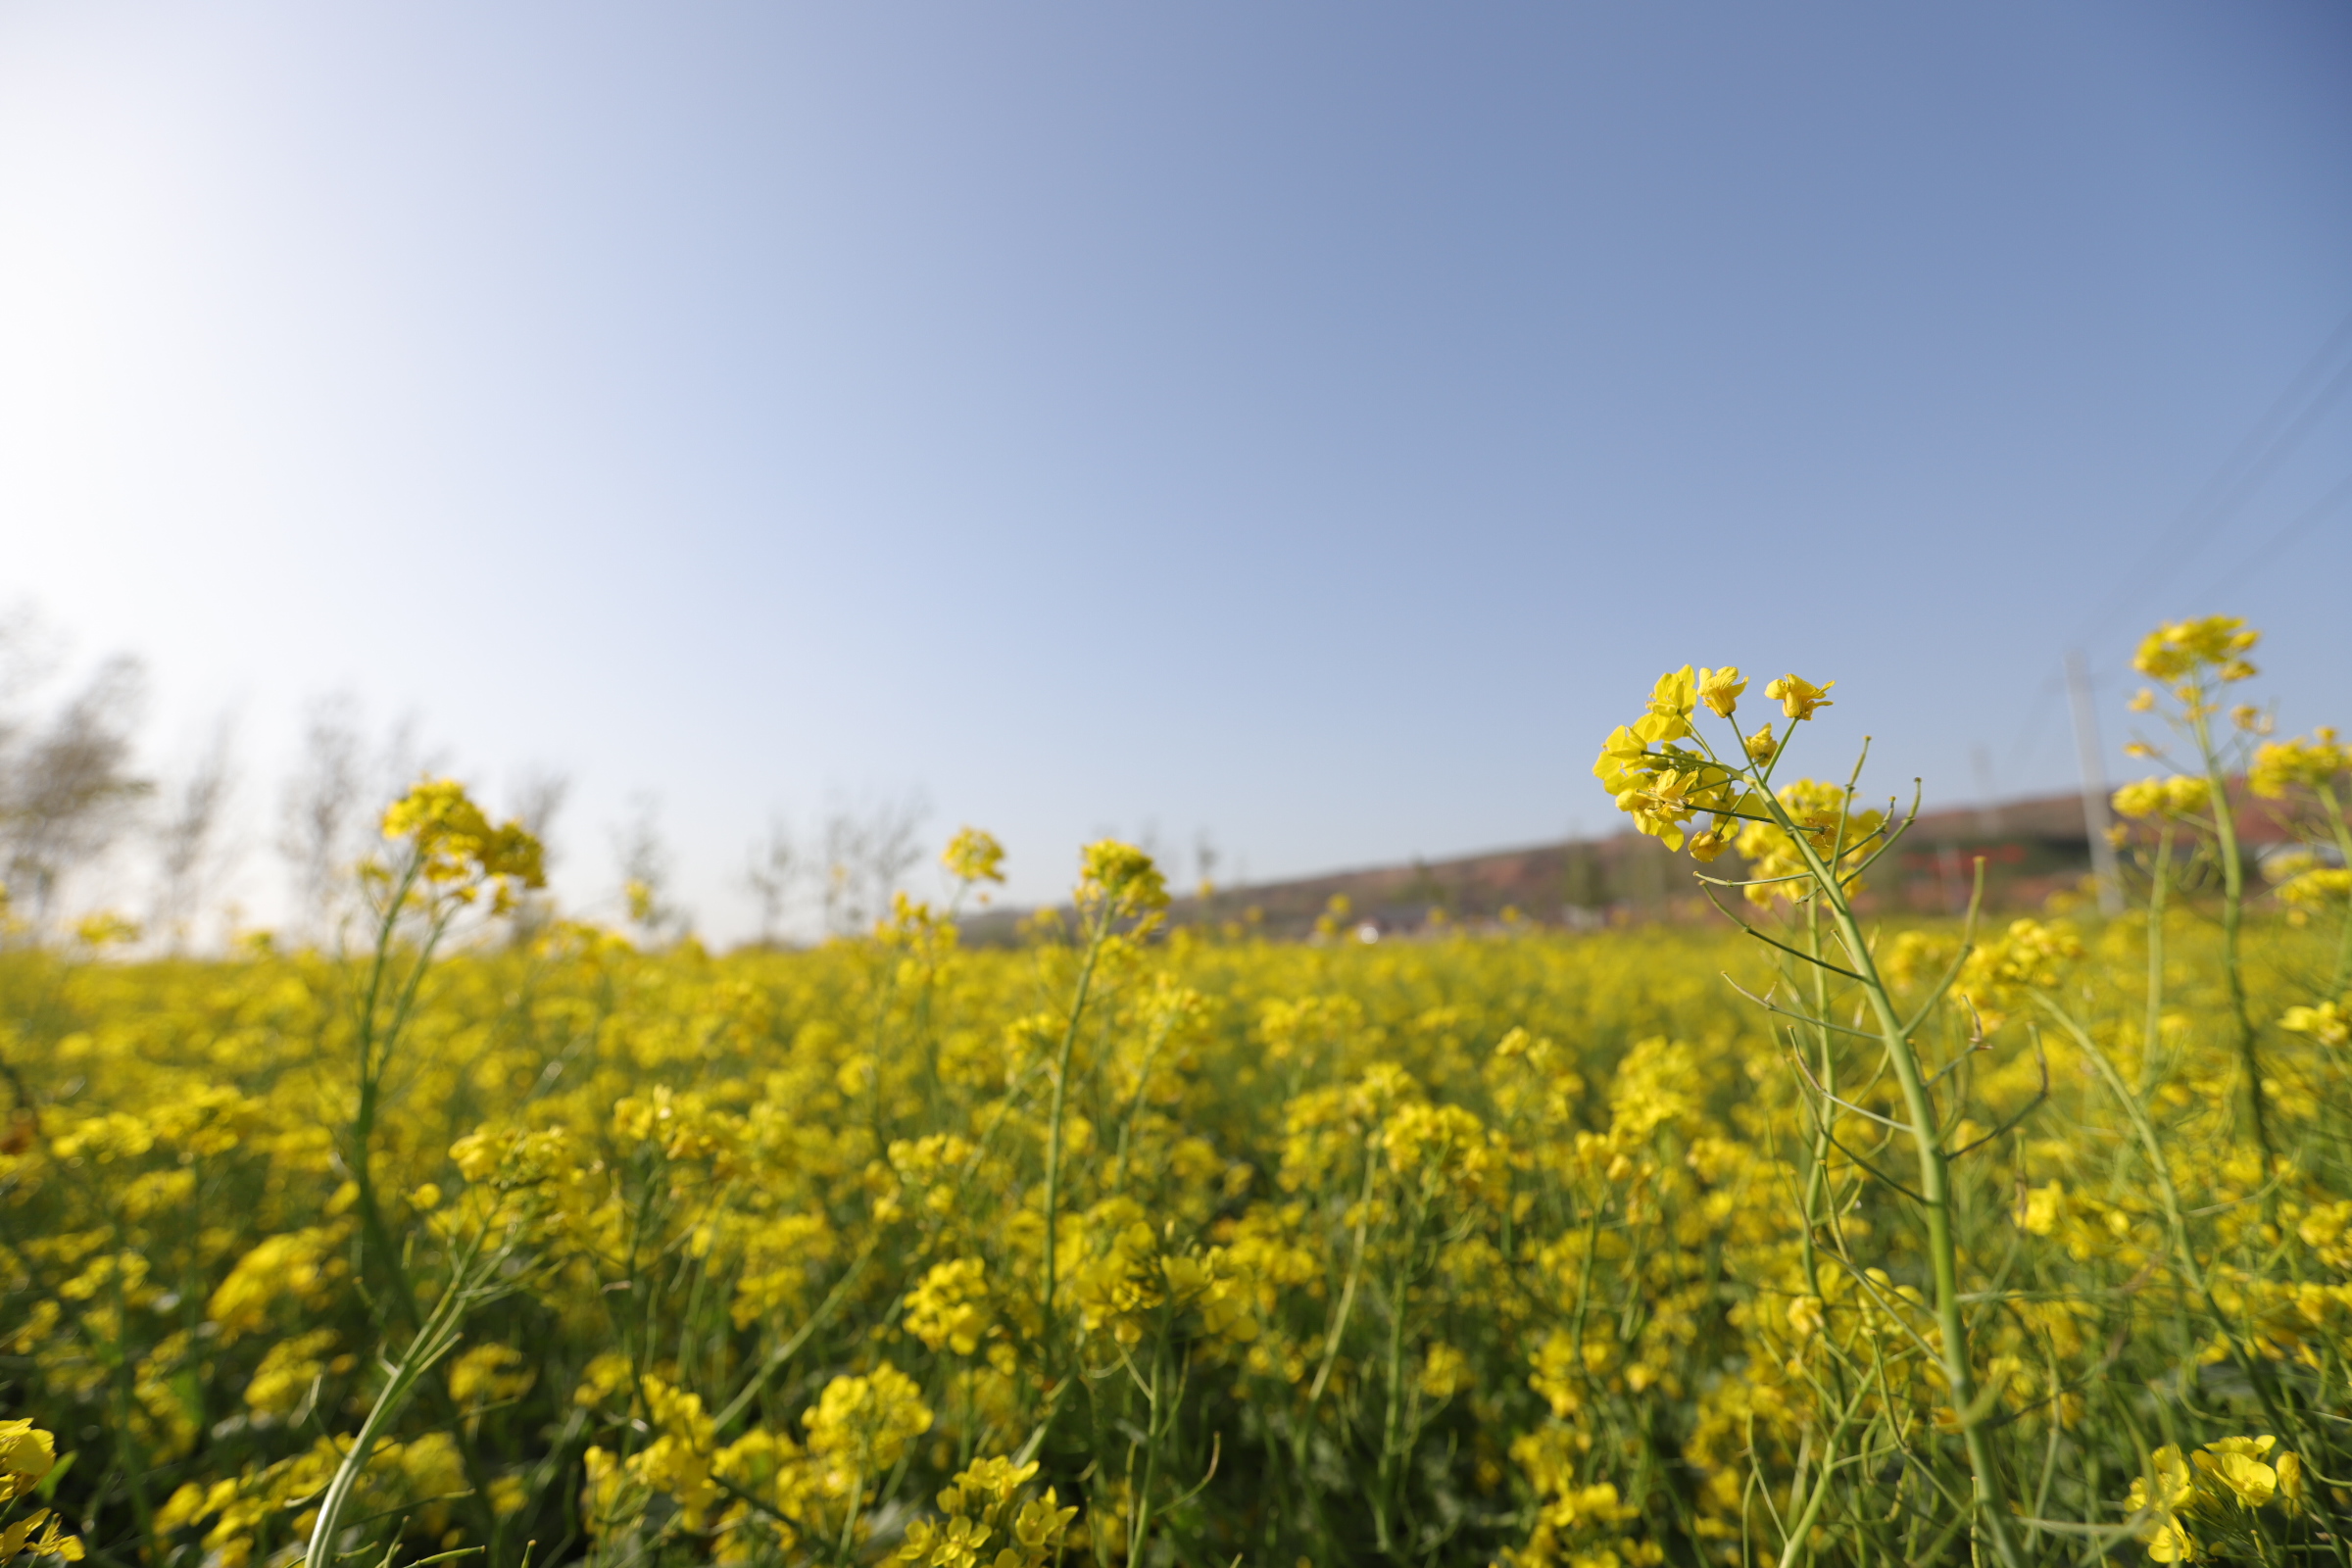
(2275,438)
(2029,733)
(2029,737)
(2285,536)
(2290,417)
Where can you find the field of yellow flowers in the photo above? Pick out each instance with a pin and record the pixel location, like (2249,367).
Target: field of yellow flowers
(1813,1242)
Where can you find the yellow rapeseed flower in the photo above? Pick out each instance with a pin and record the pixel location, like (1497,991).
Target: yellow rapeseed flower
(2327,1023)
(972,856)
(455,845)
(2238,1464)
(1121,876)
(1720,690)
(1799,698)
(1670,701)
(949,1307)
(2179,796)
(27,1455)
(863,1424)
(2159,1496)
(2278,765)
(2179,650)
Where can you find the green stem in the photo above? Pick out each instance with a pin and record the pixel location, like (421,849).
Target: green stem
(1392,1426)
(2151,1040)
(1061,1080)
(435,1339)
(2234,902)
(374,1054)
(1817,1176)
(1152,1431)
(2343,851)
(1991,1505)
(134,1474)
(1803,1524)
(784,1352)
(1135,1101)
(1356,1270)
(848,1524)
(2256,1368)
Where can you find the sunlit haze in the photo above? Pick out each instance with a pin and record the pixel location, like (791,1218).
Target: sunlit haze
(1308,426)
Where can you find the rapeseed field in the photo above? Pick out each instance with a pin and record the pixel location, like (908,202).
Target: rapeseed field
(1824,1242)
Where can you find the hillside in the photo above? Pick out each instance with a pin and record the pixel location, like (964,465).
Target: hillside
(2032,847)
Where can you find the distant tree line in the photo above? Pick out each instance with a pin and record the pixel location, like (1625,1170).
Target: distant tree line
(84,824)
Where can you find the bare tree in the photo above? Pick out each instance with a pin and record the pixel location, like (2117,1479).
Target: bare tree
(333,801)
(67,788)
(189,849)
(25,663)
(401,763)
(539,799)
(868,852)
(320,815)
(773,870)
(645,871)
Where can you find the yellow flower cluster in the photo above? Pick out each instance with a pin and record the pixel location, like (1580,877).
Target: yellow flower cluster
(2302,881)
(454,850)
(949,1307)
(2281,766)
(973,856)
(1484,1209)
(2001,973)
(2187,1508)
(986,1505)
(2182,796)
(2181,650)
(1824,816)
(1663,773)
(863,1424)
(1662,783)
(2328,1023)
(1152,1244)
(27,1454)
(1120,878)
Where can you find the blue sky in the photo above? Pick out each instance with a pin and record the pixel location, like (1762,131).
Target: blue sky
(1310,425)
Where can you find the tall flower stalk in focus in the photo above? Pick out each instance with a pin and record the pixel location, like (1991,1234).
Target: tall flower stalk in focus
(1806,845)
(2196,660)
(2307,778)
(443,859)
(1118,882)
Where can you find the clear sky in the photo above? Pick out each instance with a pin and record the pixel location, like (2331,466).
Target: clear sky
(1314,424)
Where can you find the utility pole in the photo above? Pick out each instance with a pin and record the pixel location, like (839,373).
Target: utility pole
(2095,821)
(1989,810)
